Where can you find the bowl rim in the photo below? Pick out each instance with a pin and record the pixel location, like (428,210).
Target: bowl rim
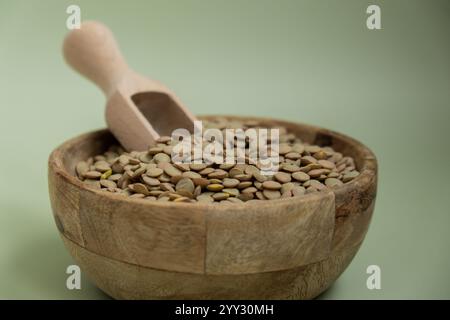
(56,164)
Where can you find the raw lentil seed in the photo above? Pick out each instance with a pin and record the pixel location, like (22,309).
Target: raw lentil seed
(272,185)
(151,175)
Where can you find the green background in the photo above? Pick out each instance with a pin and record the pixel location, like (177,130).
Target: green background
(309,61)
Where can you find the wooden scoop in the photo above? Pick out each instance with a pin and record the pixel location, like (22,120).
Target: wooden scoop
(138,110)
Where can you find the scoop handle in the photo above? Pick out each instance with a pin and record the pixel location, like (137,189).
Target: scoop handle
(94,53)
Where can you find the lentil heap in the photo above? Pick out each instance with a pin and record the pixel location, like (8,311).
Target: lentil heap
(151,175)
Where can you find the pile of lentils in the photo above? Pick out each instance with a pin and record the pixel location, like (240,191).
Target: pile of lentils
(151,175)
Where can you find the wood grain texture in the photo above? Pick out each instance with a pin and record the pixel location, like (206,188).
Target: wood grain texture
(66,210)
(136,123)
(240,250)
(263,237)
(160,237)
(127,281)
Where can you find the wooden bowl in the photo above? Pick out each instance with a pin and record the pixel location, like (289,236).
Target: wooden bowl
(279,249)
